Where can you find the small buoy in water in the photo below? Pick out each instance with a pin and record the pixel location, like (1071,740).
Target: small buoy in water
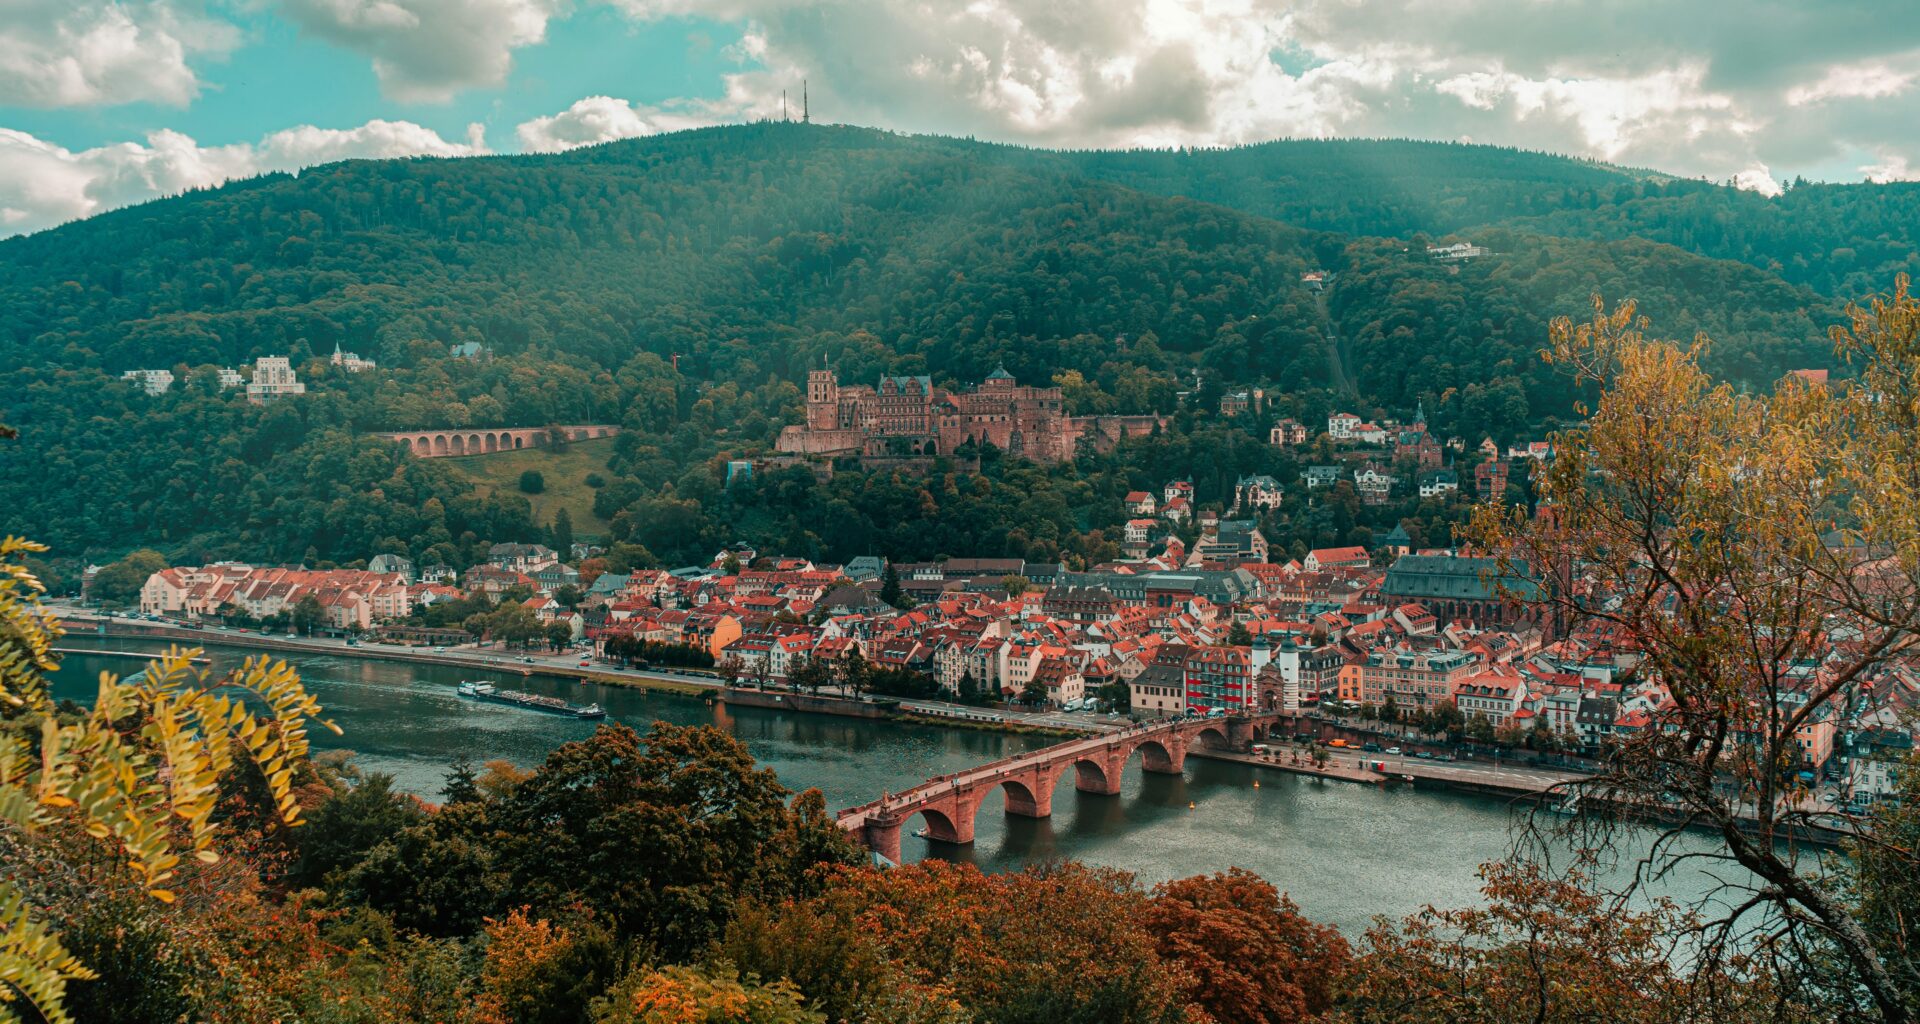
(1189,805)
(1256,783)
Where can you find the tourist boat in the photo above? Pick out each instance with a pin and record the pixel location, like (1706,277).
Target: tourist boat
(531,701)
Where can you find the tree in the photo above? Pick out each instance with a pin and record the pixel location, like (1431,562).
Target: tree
(1247,955)
(559,635)
(1013,584)
(689,804)
(890,593)
(118,583)
(514,624)
(809,673)
(562,528)
(460,782)
(1880,885)
(1237,635)
(854,672)
(1061,944)
(686,995)
(568,596)
(350,823)
(149,795)
(730,668)
(1034,693)
(307,613)
(1549,950)
(531,482)
(1739,538)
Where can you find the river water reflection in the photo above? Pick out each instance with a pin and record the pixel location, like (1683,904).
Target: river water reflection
(1344,852)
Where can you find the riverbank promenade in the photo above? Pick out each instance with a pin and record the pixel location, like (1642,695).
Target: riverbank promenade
(949,803)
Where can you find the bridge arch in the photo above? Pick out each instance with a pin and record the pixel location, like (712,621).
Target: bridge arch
(459,444)
(492,441)
(1091,776)
(1214,737)
(1156,756)
(1033,800)
(940,826)
(473,443)
(439,444)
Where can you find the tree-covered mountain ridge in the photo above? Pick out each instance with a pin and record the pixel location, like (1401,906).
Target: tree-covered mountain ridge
(680,285)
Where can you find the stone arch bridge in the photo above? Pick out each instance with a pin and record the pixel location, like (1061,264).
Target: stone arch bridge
(435,444)
(950,803)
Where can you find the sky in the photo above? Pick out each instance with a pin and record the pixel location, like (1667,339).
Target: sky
(109,102)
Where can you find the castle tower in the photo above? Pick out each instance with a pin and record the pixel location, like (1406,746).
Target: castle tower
(823,400)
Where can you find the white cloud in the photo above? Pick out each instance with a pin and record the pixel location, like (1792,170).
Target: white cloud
(1758,179)
(428,50)
(597,119)
(42,184)
(1890,166)
(69,53)
(1850,81)
(1703,97)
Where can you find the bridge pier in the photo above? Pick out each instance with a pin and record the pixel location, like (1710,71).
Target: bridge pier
(1100,775)
(882,836)
(1030,793)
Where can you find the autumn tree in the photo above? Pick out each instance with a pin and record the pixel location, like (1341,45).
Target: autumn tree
(1761,553)
(1246,954)
(1549,949)
(138,773)
(1063,944)
(691,995)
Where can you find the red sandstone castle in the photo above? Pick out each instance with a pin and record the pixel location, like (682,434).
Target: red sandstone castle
(907,417)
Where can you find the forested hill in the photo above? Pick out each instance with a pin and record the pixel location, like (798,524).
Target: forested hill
(681,284)
(1844,241)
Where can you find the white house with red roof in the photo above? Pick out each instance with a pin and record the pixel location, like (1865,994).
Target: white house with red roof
(1320,559)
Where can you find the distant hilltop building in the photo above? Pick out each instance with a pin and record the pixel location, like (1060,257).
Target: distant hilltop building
(349,361)
(229,377)
(1457,251)
(909,417)
(273,377)
(153,382)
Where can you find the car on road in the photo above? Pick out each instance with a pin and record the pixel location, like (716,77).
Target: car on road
(1424,755)
(439,650)
(585,663)
(1393,750)
(527,660)
(1371,748)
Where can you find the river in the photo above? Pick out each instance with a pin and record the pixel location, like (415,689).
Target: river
(1344,852)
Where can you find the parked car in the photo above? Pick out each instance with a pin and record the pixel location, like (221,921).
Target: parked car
(1371,748)
(1393,750)
(439,650)
(1424,755)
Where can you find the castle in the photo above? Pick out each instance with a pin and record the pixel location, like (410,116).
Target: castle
(907,417)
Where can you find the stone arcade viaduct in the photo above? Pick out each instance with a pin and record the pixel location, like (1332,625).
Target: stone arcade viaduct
(950,802)
(433,444)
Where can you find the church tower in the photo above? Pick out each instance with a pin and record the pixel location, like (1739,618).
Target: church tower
(823,400)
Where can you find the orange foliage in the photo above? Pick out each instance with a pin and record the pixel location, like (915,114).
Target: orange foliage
(1249,957)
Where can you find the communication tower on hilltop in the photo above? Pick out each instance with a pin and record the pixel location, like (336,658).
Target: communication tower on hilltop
(805,116)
